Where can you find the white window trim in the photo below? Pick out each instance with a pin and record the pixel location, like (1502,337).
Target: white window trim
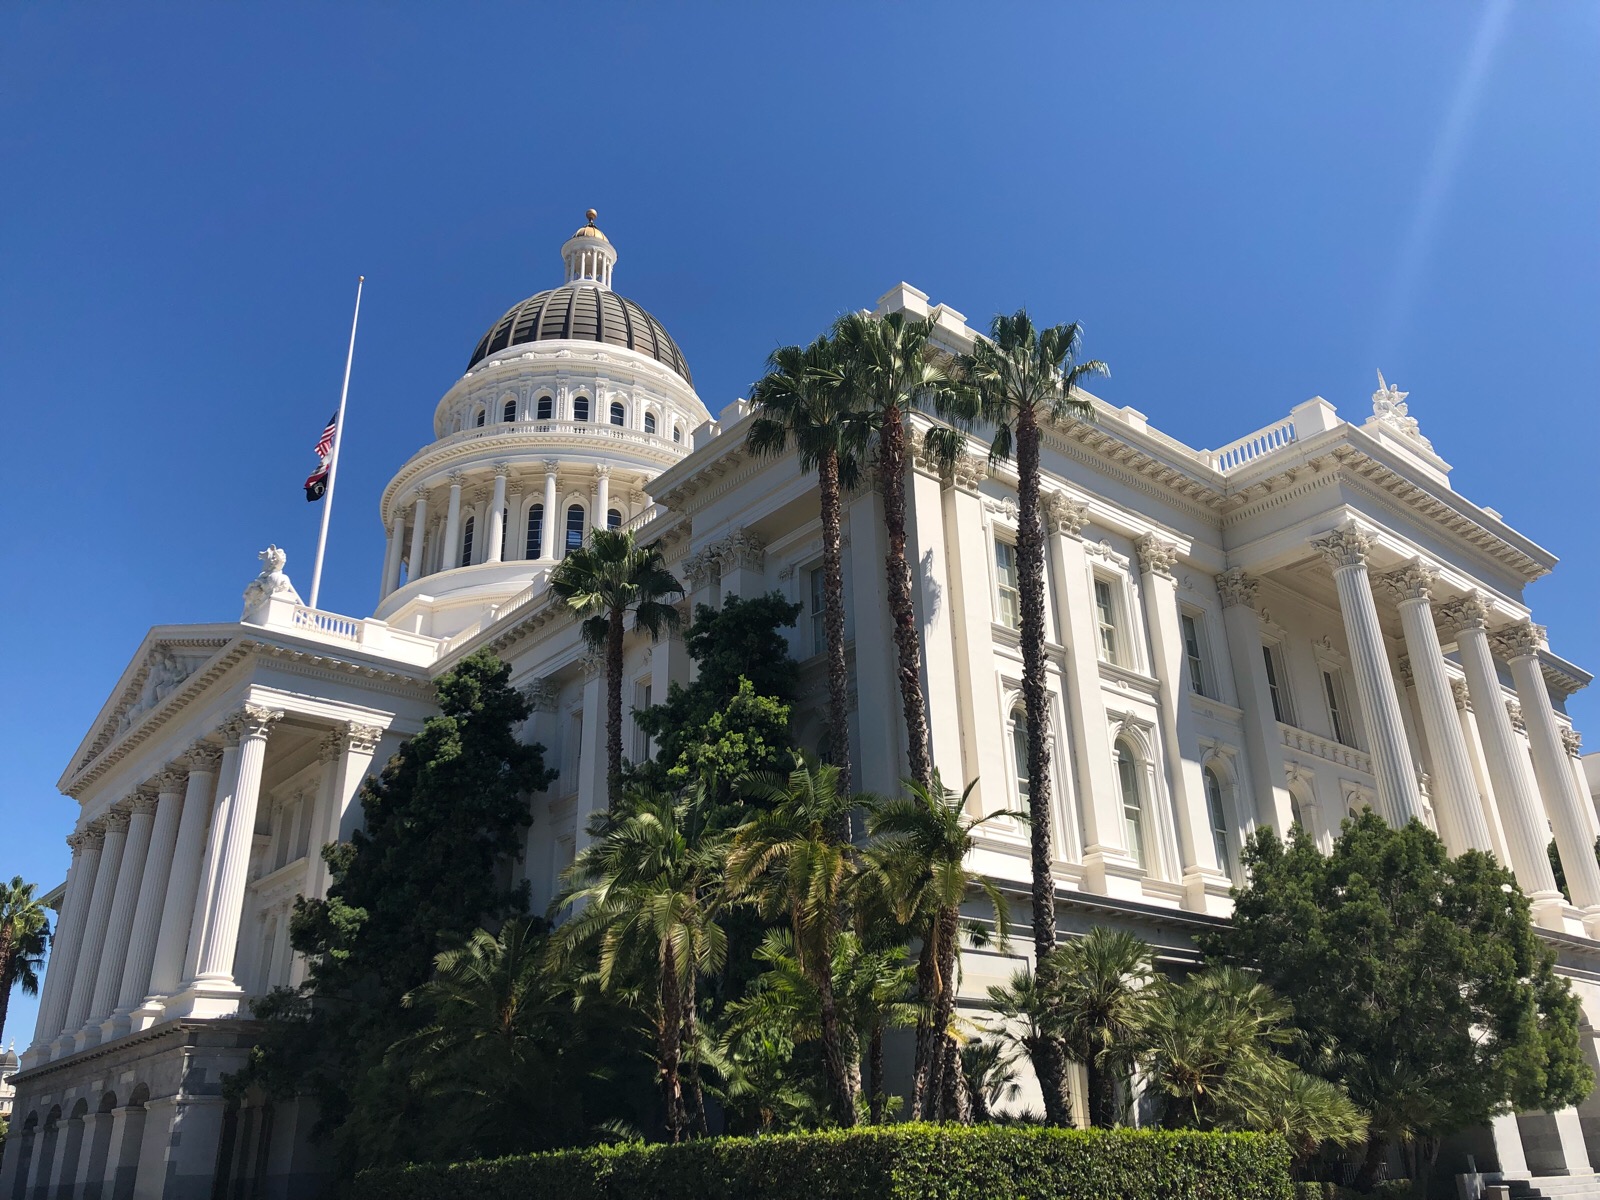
(1209,681)
(1007,538)
(1285,687)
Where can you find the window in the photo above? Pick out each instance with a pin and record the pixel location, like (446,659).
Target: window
(480,417)
(509,413)
(535,544)
(1219,822)
(1295,813)
(1191,650)
(1005,565)
(505,528)
(1019,750)
(466,542)
(618,415)
(642,746)
(649,422)
(546,409)
(1276,685)
(1132,806)
(580,408)
(575,528)
(1338,714)
(677,433)
(613,519)
(1106,609)
(818,610)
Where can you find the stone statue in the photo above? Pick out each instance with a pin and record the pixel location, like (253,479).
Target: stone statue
(1389,408)
(271,582)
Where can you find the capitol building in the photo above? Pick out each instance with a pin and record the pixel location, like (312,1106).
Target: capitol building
(1301,624)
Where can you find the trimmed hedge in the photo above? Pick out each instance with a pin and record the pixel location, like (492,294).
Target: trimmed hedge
(900,1162)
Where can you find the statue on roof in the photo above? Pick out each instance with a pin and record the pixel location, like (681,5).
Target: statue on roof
(1389,407)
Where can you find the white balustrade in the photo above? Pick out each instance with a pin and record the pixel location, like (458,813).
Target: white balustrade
(333,624)
(1254,445)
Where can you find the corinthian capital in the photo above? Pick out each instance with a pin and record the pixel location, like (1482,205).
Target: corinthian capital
(742,548)
(968,471)
(1521,640)
(252,720)
(202,756)
(1235,587)
(1344,547)
(1414,581)
(1572,740)
(170,782)
(1155,555)
(1460,693)
(698,569)
(1062,514)
(1469,612)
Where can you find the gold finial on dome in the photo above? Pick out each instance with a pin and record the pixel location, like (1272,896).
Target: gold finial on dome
(589,230)
(591,214)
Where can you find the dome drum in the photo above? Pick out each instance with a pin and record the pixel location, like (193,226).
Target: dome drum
(583,312)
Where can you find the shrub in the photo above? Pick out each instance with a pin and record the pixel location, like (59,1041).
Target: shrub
(905,1162)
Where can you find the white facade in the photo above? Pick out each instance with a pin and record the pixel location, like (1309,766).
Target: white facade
(1303,623)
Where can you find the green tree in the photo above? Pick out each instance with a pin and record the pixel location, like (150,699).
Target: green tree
(1029,1023)
(604,581)
(892,369)
(1096,987)
(24,933)
(989,1065)
(1018,378)
(1390,923)
(804,399)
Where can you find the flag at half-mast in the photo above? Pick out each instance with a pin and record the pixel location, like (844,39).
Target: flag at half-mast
(317,481)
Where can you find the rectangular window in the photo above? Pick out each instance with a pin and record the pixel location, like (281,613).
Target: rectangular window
(1019,751)
(1338,714)
(1106,610)
(1276,685)
(1132,807)
(1005,562)
(575,757)
(643,747)
(817,606)
(1191,650)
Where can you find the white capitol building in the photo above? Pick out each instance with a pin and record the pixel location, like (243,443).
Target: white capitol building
(1303,623)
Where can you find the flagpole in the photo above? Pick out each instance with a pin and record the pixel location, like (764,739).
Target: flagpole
(338,437)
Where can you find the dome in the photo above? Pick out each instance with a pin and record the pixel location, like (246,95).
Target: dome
(589,230)
(583,312)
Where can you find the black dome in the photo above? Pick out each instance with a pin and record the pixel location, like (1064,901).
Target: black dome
(587,313)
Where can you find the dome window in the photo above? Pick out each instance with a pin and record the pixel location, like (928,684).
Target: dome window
(618,415)
(575,528)
(479,418)
(677,433)
(649,422)
(613,519)
(510,411)
(466,537)
(535,543)
(580,408)
(547,408)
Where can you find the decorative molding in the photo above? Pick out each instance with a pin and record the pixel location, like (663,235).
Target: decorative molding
(255,720)
(1469,612)
(1235,587)
(1572,740)
(1414,581)
(170,782)
(1156,555)
(542,694)
(1402,666)
(700,569)
(143,804)
(742,549)
(1062,514)
(1522,640)
(968,471)
(1461,694)
(1514,711)
(1347,546)
(116,820)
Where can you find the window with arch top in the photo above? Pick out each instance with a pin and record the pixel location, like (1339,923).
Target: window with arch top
(649,422)
(545,409)
(1217,815)
(575,528)
(535,543)
(1132,800)
(480,417)
(619,415)
(613,519)
(509,412)
(466,541)
(677,433)
(1019,750)
(580,408)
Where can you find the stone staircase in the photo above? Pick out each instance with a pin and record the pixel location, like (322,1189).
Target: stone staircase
(1555,1187)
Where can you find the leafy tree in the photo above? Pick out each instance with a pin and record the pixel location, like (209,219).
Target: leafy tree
(24,933)
(1390,923)
(604,581)
(1029,1023)
(805,399)
(1095,986)
(748,736)
(989,1065)
(1018,378)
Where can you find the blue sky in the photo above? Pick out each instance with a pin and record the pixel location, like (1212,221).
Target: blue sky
(1246,205)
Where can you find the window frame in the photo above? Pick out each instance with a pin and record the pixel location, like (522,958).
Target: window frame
(817,603)
(533,532)
(650,422)
(1196,652)
(1125,757)
(468,528)
(618,414)
(544,408)
(1018,728)
(1007,596)
(1336,698)
(508,411)
(588,409)
(1274,661)
(1217,818)
(582,531)
(1110,650)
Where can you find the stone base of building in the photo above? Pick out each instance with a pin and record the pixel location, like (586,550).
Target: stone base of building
(144,1118)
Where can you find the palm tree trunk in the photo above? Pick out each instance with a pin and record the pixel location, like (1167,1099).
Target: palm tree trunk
(957,1099)
(879,1103)
(897,576)
(1102,1096)
(671,1028)
(691,1037)
(1373,1162)
(948,1069)
(614,708)
(8,967)
(1049,1062)
(833,622)
(832,1045)
(927,989)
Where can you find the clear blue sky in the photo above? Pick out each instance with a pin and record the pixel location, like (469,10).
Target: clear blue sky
(1246,205)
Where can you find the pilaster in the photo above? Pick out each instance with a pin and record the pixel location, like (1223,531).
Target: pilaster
(1263,741)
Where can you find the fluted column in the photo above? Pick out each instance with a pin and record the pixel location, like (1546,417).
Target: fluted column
(151,905)
(64,946)
(391,560)
(1462,696)
(1519,645)
(183,883)
(493,552)
(236,819)
(602,498)
(1455,792)
(1263,741)
(555,525)
(419,529)
(115,824)
(1521,816)
(450,553)
(124,904)
(345,755)
(1346,552)
(200,907)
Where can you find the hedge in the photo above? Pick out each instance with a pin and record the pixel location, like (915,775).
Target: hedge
(901,1162)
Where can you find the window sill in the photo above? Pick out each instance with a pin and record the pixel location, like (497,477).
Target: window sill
(1125,675)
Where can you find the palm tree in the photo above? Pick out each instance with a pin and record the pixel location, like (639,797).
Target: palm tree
(648,890)
(990,1068)
(24,933)
(790,861)
(604,581)
(917,864)
(1097,986)
(804,398)
(1030,1023)
(891,369)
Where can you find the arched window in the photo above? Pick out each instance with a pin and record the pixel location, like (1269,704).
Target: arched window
(535,543)
(580,408)
(613,519)
(509,413)
(1019,750)
(677,433)
(505,530)
(466,542)
(1132,802)
(649,422)
(1219,822)
(546,409)
(619,416)
(480,417)
(575,528)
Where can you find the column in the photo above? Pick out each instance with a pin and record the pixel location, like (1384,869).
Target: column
(345,755)
(591,752)
(1111,869)
(555,524)
(1520,813)
(493,552)
(743,559)
(983,745)
(516,525)
(1480,771)
(85,846)
(215,992)
(602,498)
(151,905)
(183,882)
(115,824)
(1263,740)
(879,761)
(1557,785)
(1196,849)
(450,552)
(419,527)
(1455,792)
(1346,551)
(124,905)
(391,560)
(942,676)
(1572,740)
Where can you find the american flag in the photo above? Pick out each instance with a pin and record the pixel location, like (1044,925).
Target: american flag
(317,481)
